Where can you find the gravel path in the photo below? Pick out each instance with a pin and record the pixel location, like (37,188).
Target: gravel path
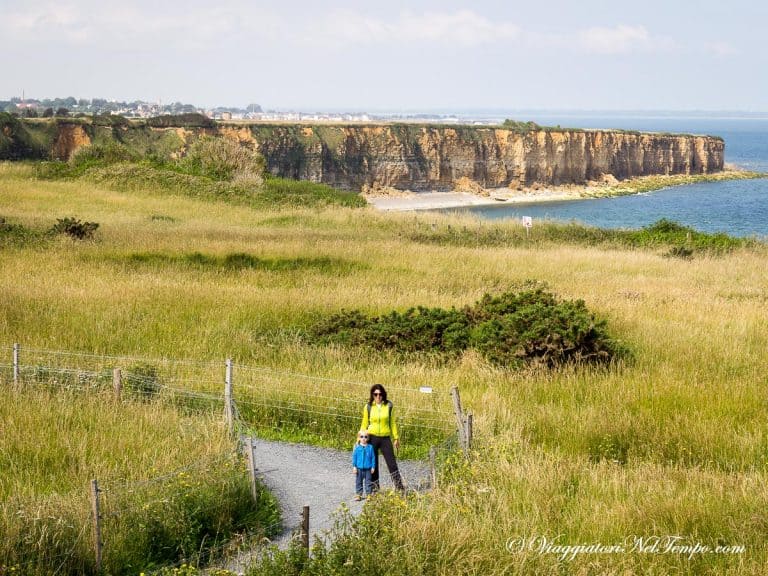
(301,475)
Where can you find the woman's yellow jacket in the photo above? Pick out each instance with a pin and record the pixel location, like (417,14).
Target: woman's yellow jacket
(381,421)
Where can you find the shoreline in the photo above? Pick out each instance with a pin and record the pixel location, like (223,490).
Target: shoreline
(391,200)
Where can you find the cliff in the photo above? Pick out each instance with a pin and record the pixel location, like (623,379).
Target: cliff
(404,156)
(436,157)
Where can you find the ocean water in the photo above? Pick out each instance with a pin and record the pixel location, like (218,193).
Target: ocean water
(737,207)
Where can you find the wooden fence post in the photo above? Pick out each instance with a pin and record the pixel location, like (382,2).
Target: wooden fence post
(16,364)
(457,410)
(117,381)
(252,468)
(305,529)
(95,491)
(468,433)
(228,409)
(433,466)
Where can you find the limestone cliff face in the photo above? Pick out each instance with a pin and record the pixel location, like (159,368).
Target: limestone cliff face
(69,138)
(435,158)
(404,156)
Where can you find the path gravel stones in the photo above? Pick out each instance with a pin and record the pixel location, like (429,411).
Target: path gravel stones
(301,475)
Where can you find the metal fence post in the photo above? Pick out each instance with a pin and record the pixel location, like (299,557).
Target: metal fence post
(228,409)
(433,466)
(458,412)
(252,469)
(16,348)
(117,381)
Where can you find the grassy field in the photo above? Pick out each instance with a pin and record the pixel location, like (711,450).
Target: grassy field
(172,486)
(671,443)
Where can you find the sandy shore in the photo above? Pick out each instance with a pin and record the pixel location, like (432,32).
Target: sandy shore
(472,195)
(406,201)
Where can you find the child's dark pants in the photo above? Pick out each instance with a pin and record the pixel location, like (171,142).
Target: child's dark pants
(363,481)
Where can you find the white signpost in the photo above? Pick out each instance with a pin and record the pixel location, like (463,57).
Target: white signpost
(528,223)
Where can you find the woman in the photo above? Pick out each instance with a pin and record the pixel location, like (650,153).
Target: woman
(379,421)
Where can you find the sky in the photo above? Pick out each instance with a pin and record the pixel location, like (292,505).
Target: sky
(392,56)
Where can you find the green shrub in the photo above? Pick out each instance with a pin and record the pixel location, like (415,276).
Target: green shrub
(14,234)
(110,120)
(74,228)
(514,328)
(214,169)
(680,252)
(684,239)
(189,120)
(100,155)
(224,159)
(518,126)
(286,192)
(416,330)
(664,233)
(533,327)
(20,140)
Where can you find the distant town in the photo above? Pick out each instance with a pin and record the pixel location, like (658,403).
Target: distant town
(73,107)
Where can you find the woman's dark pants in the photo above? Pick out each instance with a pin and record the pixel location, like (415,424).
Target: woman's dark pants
(383,444)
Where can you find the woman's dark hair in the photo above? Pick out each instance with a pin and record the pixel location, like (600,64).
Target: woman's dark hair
(380,388)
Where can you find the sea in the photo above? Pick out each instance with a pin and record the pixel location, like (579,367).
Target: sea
(736,207)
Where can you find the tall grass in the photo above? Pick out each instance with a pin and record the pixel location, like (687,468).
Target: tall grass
(172,486)
(673,442)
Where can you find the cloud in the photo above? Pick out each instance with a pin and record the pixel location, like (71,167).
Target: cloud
(145,26)
(721,49)
(58,20)
(123,27)
(620,39)
(463,27)
(468,28)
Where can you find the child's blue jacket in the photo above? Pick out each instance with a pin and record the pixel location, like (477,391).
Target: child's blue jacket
(362,457)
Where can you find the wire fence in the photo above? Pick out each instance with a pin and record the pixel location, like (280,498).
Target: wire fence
(253,398)
(164,520)
(300,405)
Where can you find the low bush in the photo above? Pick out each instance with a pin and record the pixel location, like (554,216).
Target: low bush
(416,330)
(680,252)
(224,159)
(189,120)
(84,160)
(534,327)
(100,155)
(14,234)
(515,328)
(239,261)
(286,192)
(669,233)
(74,228)
(661,234)
(519,126)
(109,120)
(171,178)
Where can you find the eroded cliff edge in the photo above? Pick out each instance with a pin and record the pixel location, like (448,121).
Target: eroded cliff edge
(403,156)
(435,158)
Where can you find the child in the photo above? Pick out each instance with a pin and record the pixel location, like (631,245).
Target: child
(362,465)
